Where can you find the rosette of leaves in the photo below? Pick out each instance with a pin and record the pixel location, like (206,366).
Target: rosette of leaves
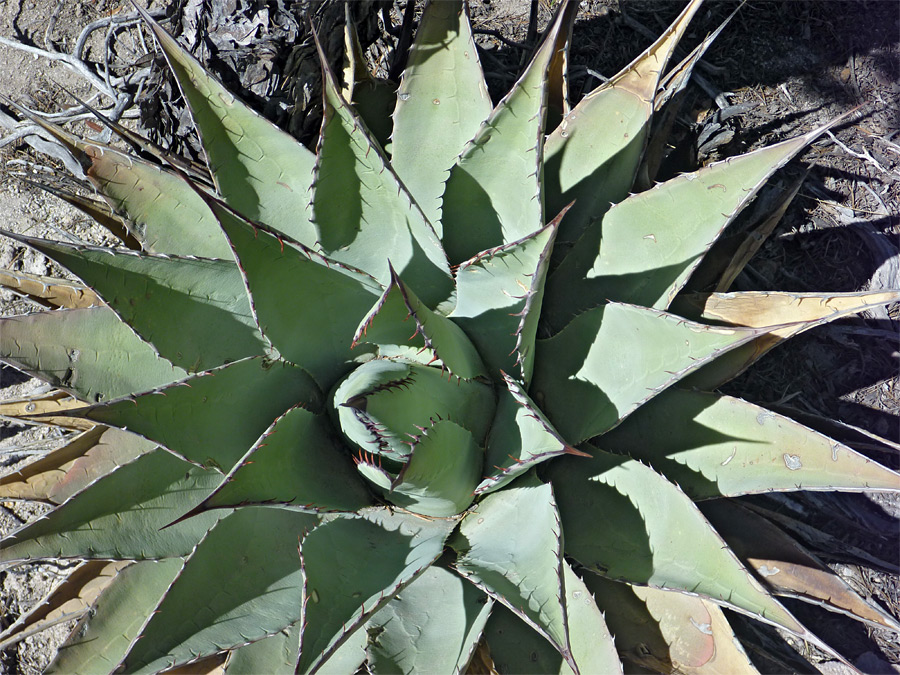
(421,396)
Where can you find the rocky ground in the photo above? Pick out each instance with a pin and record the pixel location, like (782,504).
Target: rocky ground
(788,64)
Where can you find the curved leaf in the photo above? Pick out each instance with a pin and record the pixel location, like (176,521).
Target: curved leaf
(274,655)
(89,353)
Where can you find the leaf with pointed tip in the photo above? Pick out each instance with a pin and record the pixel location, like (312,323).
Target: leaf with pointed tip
(443,469)
(166,214)
(768,309)
(296,462)
(521,437)
(786,567)
(353,565)
(557,72)
(51,407)
(213,417)
(71,599)
(121,516)
(101,640)
(89,353)
(650,246)
(259,169)
(510,546)
(312,327)
(274,655)
(499,297)
(591,158)
(493,195)
(365,217)
(372,98)
(516,649)
(195,312)
(61,473)
(625,521)
(101,212)
(441,103)
(384,405)
(401,325)
(611,359)
(49,292)
(244,575)
(669,631)
(719,446)
(433,625)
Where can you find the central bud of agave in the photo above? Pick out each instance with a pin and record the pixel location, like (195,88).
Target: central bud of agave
(420,431)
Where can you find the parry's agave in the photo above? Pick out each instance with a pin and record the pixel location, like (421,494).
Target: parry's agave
(419,391)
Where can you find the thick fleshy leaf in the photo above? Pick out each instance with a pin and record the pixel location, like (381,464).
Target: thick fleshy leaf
(787,314)
(510,546)
(121,516)
(384,405)
(89,353)
(259,169)
(313,328)
(213,418)
(441,103)
(164,213)
(433,625)
(669,631)
(557,72)
(101,640)
(611,359)
(194,312)
(521,437)
(719,446)
(353,566)
(401,325)
(650,247)
(274,655)
(49,292)
(625,521)
(493,195)
(373,99)
(364,216)
(296,462)
(71,599)
(591,158)
(498,302)
(786,567)
(443,469)
(515,648)
(61,473)
(245,575)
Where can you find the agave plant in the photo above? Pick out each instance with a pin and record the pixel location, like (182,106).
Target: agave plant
(421,400)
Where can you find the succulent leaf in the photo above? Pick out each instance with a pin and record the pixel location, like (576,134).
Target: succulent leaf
(213,417)
(605,500)
(69,469)
(441,103)
(194,312)
(258,168)
(279,469)
(499,297)
(719,446)
(510,545)
(611,359)
(48,291)
(118,615)
(247,592)
(89,353)
(669,631)
(276,654)
(493,195)
(352,566)
(514,648)
(364,216)
(432,625)
(121,516)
